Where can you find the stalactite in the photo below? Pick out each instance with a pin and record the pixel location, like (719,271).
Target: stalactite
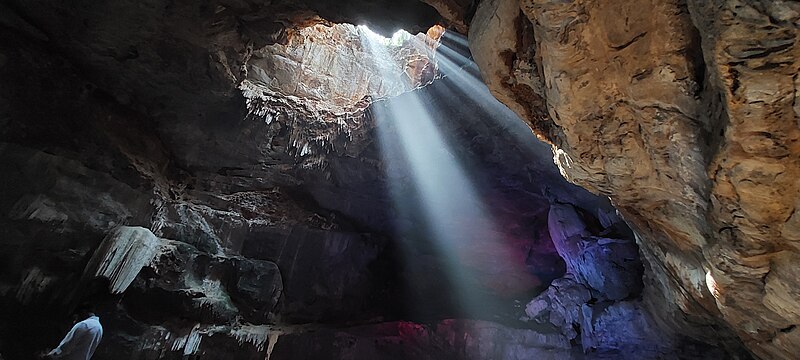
(190,343)
(317,129)
(273,340)
(123,253)
(257,335)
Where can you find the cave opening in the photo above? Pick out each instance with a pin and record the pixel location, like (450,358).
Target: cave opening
(369,180)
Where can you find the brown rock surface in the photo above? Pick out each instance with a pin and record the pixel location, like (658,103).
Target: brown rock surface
(200,122)
(332,67)
(458,13)
(686,117)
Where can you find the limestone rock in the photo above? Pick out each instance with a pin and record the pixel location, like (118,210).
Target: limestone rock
(188,118)
(611,267)
(456,12)
(561,305)
(494,33)
(207,288)
(683,116)
(121,255)
(333,67)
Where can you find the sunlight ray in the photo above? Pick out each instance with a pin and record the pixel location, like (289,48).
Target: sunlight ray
(414,147)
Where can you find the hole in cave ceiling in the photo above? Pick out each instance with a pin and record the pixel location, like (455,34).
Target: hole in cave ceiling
(334,68)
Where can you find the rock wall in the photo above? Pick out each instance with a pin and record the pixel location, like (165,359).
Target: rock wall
(685,116)
(752,62)
(332,67)
(236,240)
(187,119)
(597,305)
(206,255)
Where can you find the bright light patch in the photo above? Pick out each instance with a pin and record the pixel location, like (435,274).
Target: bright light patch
(563,161)
(428,178)
(711,283)
(371,35)
(397,39)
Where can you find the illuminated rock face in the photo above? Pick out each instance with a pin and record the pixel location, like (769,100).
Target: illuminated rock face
(685,115)
(323,79)
(250,243)
(333,67)
(122,255)
(239,136)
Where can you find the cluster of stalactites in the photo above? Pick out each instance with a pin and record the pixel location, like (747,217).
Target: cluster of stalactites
(320,84)
(262,337)
(313,133)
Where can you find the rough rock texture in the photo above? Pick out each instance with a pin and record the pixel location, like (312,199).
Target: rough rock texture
(685,115)
(621,329)
(266,191)
(249,237)
(752,57)
(609,266)
(182,62)
(457,13)
(597,303)
(332,67)
(240,245)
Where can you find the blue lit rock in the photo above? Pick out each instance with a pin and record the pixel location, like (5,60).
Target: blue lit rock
(609,266)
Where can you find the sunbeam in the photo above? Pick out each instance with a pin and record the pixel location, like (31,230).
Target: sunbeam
(453,212)
(458,65)
(457,39)
(400,179)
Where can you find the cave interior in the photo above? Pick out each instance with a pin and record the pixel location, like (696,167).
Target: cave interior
(412,179)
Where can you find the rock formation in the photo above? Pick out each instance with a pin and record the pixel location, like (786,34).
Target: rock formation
(683,115)
(212,176)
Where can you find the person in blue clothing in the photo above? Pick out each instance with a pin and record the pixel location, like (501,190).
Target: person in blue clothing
(81,341)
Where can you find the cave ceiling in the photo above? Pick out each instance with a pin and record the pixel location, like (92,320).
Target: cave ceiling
(236,147)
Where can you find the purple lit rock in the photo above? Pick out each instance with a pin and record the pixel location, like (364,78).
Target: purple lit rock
(560,305)
(621,326)
(611,267)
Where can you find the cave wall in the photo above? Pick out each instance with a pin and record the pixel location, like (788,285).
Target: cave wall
(211,235)
(685,116)
(231,248)
(202,221)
